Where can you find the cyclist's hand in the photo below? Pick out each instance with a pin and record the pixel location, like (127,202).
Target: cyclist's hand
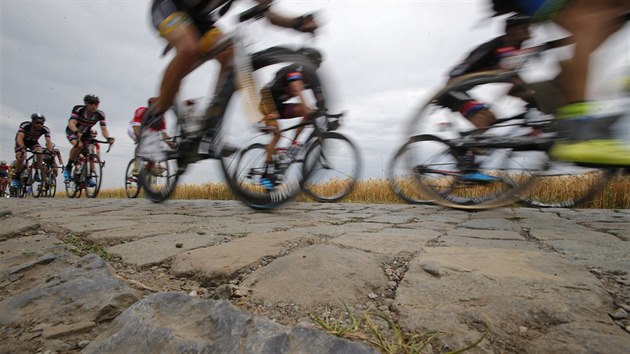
(305,23)
(110,140)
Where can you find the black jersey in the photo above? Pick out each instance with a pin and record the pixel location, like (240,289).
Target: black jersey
(83,122)
(293,72)
(487,56)
(31,135)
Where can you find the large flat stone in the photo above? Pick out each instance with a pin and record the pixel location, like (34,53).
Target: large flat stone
(321,274)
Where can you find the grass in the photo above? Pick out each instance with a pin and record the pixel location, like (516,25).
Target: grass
(615,195)
(81,247)
(382,332)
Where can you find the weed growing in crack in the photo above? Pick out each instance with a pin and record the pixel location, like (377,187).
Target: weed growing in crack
(82,247)
(388,336)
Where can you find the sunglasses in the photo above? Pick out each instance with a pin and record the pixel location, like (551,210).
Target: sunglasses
(96,103)
(38,123)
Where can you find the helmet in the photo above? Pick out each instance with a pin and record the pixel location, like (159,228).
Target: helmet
(3,162)
(151,100)
(38,117)
(517,20)
(312,54)
(90,98)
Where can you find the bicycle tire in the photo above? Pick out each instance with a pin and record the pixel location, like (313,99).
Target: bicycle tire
(52,186)
(401,177)
(332,166)
(158,178)
(243,174)
(94,174)
(438,171)
(132,185)
(36,186)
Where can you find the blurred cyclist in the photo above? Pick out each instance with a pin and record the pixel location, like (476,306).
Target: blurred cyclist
(487,56)
(591,22)
(189,27)
(134,125)
(277,102)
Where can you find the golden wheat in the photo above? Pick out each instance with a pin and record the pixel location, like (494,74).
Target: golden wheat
(615,195)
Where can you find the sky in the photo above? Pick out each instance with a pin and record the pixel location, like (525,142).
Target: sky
(384,57)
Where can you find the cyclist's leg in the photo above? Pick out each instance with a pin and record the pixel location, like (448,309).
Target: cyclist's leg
(180,32)
(74,153)
(19,161)
(591,23)
(478,113)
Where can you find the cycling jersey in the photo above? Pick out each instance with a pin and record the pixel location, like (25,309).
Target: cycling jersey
(487,56)
(31,134)
(137,121)
(4,170)
(278,86)
(85,123)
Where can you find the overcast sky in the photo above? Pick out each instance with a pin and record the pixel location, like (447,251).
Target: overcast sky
(386,57)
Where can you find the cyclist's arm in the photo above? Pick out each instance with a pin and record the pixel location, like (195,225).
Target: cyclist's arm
(59,158)
(19,140)
(305,23)
(49,144)
(72,125)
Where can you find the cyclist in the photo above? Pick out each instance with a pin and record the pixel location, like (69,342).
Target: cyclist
(591,23)
(4,177)
(78,131)
(487,56)
(188,26)
(134,131)
(134,125)
(51,156)
(27,137)
(277,103)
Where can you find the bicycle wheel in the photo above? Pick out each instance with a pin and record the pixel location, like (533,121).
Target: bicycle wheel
(132,185)
(332,166)
(52,186)
(401,176)
(244,178)
(492,177)
(565,185)
(37,182)
(93,176)
(158,178)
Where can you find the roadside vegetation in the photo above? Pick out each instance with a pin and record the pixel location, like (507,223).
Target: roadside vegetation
(616,194)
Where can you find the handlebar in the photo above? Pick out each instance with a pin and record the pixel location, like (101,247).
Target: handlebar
(92,141)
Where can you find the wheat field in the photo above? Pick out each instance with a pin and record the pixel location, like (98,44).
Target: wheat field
(615,195)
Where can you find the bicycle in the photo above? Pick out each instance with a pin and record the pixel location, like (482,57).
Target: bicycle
(192,147)
(326,167)
(49,182)
(30,178)
(435,167)
(86,171)
(132,183)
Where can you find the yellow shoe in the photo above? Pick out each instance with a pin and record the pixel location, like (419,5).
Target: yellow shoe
(612,152)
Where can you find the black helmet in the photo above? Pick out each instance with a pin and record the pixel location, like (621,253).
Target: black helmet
(90,98)
(517,20)
(38,117)
(313,54)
